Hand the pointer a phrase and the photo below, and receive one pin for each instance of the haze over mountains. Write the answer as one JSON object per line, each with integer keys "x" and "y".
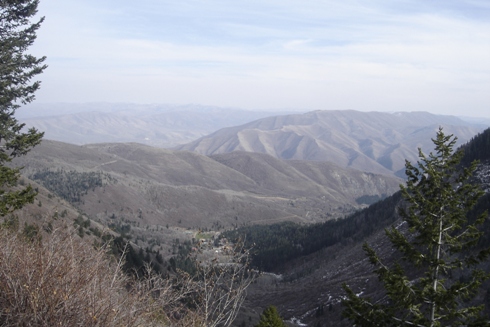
{"x": 155, "y": 125}
{"x": 370, "y": 141}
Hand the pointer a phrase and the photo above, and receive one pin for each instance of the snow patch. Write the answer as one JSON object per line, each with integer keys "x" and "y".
{"x": 297, "y": 322}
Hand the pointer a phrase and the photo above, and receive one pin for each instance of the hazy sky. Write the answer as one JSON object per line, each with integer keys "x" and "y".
{"x": 383, "y": 55}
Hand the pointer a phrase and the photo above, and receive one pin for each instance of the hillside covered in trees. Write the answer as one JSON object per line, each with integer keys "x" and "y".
{"x": 274, "y": 245}
{"x": 478, "y": 148}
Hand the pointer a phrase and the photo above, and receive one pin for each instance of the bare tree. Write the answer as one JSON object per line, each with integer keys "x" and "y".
{"x": 221, "y": 285}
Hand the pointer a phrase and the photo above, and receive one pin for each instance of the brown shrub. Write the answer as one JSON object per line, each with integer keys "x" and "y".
{"x": 62, "y": 281}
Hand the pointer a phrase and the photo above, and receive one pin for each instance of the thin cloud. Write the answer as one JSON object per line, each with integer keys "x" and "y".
{"x": 404, "y": 55}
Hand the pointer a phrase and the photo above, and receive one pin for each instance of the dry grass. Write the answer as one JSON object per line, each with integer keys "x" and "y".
{"x": 62, "y": 281}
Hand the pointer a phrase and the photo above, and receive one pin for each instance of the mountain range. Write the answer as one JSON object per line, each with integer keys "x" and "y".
{"x": 370, "y": 141}
{"x": 155, "y": 186}
{"x": 156, "y": 125}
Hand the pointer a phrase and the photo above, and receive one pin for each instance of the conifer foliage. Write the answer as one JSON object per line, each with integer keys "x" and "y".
{"x": 270, "y": 318}
{"x": 443, "y": 273}
{"x": 17, "y": 69}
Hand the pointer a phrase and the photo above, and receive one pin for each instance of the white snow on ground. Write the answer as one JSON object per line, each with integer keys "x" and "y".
{"x": 297, "y": 322}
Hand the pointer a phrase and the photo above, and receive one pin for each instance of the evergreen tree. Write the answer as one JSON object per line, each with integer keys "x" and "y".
{"x": 437, "y": 246}
{"x": 17, "y": 69}
{"x": 270, "y": 318}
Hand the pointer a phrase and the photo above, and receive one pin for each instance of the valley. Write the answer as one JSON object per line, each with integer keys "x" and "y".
{"x": 354, "y": 190}
{"x": 304, "y": 219}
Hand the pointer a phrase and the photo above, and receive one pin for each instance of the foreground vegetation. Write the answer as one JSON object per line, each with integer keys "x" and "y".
{"x": 61, "y": 281}
{"x": 436, "y": 274}
{"x": 58, "y": 279}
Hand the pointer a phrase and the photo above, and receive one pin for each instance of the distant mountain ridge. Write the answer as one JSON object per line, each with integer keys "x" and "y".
{"x": 370, "y": 141}
{"x": 152, "y": 124}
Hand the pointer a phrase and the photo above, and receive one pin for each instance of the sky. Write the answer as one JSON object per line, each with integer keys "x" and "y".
{"x": 377, "y": 55}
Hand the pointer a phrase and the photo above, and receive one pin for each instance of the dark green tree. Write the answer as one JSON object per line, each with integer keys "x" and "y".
{"x": 17, "y": 69}
{"x": 270, "y": 318}
{"x": 444, "y": 273}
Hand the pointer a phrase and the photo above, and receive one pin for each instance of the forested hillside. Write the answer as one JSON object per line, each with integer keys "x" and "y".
{"x": 477, "y": 149}
{"x": 316, "y": 260}
{"x": 276, "y": 244}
